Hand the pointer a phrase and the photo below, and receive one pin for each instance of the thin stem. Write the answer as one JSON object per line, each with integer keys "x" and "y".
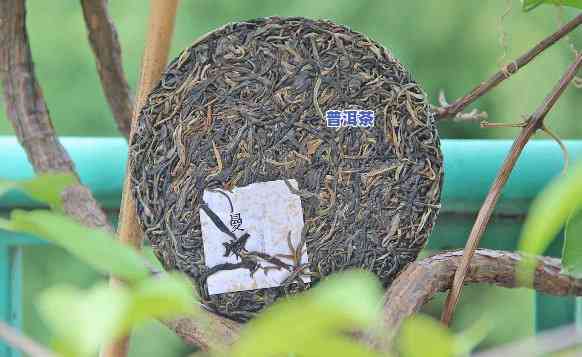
{"x": 15, "y": 339}
{"x": 458, "y": 105}
{"x": 160, "y": 30}
{"x": 107, "y": 51}
{"x": 534, "y": 123}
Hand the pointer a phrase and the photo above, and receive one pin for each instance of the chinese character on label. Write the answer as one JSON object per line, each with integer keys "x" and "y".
{"x": 366, "y": 118}
{"x": 236, "y": 221}
{"x": 334, "y": 118}
{"x": 266, "y": 251}
{"x": 350, "y": 118}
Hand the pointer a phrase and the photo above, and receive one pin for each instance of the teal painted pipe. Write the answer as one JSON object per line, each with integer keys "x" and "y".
{"x": 470, "y": 167}
{"x": 10, "y": 292}
{"x": 99, "y": 161}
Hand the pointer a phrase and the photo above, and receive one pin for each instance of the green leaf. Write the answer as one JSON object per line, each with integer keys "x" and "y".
{"x": 96, "y": 247}
{"x": 528, "y": 5}
{"x": 423, "y": 336}
{"x": 550, "y": 210}
{"x": 5, "y": 224}
{"x": 7, "y": 185}
{"x": 166, "y": 297}
{"x": 572, "y": 253}
{"x": 82, "y": 321}
{"x": 467, "y": 340}
{"x": 313, "y": 323}
{"x": 45, "y": 188}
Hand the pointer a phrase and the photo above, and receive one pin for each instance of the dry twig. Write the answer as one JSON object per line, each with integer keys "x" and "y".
{"x": 105, "y": 45}
{"x": 451, "y": 110}
{"x": 532, "y": 124}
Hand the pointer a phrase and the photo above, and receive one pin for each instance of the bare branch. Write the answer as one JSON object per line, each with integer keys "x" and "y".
{"x": 107, "y": 51}
{"x": 15, "y": 339}
{"x": 458, "y": 105}
{"x": 28, "y": 112}
{"x": 535, "y": 122}
{"x": 421, "y": 280}
{"x": 474, "y": 115}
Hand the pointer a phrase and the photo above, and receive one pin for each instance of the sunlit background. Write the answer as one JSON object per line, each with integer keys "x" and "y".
{"x": 448, "y": 45}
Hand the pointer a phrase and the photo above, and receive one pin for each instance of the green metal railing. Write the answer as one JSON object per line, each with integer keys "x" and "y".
{"x": 470, "y": 167}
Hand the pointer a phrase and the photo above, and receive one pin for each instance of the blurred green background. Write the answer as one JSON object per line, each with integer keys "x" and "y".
{"x": 448, "y": 45}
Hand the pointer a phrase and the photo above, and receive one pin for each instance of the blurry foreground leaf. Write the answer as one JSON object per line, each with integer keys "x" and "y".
{"x": 6, "y": 185}
{"x": 548, "y": 214}
{"x": 81, "y": 321}
{"x": 148, "y": 253}
{"x": 97, "y": 248}
{"x": 166, "y": 297}
{"x": 572, "y": 253}
{"x": 528, "y": 5}
{"x": 45, "y": 188}
{"x": 316, "y": 323}
{"x": 471, "y": 337}
{"x": 423, "y": 336}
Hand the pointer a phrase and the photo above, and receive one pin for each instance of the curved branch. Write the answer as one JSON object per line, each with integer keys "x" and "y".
{"x": 209, "y": 332}
{"x": 415, "y": 286}
{"x": 29, "y": 115}
{"x": 107, "y": 51}
{"x": 421, "y": 280}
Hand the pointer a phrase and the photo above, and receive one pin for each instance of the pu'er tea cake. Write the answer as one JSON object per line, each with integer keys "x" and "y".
{"x": 277, "y": 151}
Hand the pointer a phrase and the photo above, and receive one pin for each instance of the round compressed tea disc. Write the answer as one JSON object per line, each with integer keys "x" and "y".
{"x": 277, "y": 151}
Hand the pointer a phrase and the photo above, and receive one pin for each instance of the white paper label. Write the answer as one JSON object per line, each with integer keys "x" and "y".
{"x": 272, "y": 217}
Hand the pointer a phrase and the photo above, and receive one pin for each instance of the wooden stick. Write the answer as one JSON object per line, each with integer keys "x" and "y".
{"x": 458, "y": 105}
{"x": 160, "y": 29}
{"x": 15, "y": 339}
{"x": 29, "y": 115}
{"x": 154, "y": 60}
{"x": 421, "y": 280}
{"x": 107, "y": 52}
{"x": 534, "y": 123}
